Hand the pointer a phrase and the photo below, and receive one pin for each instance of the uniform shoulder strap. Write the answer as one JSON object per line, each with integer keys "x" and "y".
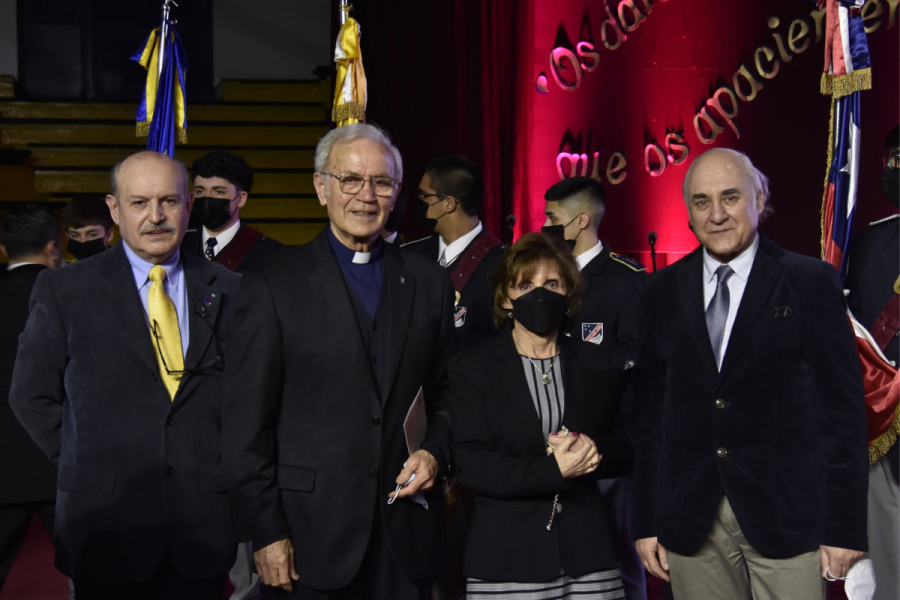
{"x": 232, "y": 255}
{"x": 471, "y": 258}
{"x": 628, "y": 262}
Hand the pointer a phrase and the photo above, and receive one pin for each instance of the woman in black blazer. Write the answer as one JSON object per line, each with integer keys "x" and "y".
{"x": 536, "y": 421}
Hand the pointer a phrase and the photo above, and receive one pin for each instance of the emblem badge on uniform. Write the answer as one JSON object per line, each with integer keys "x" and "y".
{"x": 459, "y": 316}
{"x": 592, "y": 332}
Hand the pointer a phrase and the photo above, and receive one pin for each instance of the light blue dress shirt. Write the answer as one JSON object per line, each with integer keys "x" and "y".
{"x": 175, "y": 284}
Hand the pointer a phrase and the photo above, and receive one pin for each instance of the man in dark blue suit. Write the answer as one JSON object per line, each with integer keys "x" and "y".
{"x": 749, "y": 421}
{"x": 119, "y": 381}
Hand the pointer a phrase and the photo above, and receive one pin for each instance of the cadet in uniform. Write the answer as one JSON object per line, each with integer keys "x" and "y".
{"x": 222, "y": 183}
{"x": 873, "y": 279}
{"x": 609, "y": 306}
{"x": 449, "y": 200}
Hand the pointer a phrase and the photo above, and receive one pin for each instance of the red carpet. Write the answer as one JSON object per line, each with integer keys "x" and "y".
{"x": 33, "y": 576}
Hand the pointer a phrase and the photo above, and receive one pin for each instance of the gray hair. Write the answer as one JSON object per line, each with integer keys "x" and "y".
{"x": 758, "y": 180}
{"x": 144, "y": 154}
{"x": 348, "y": 133}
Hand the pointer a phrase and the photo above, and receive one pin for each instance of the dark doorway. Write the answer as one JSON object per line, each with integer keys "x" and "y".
{"x": 81, "y": 49}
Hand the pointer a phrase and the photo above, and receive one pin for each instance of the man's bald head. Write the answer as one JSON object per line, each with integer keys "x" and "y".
{"x": 147, "y": 155}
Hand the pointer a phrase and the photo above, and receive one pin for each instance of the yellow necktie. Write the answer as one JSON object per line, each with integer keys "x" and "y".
{"x": 166, "y": 334}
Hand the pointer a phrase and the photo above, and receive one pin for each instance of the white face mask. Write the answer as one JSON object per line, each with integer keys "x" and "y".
{"x": 859, "y": 584}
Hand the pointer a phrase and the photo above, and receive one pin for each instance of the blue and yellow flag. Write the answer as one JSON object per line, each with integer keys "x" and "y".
{"x": 161, "y": 115}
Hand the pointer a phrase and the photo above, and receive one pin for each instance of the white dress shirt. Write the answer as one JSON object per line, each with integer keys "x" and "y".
{"x": 12, "y": 266}
{"x": 222, "y": 240}
{"x": 736, "y": 285}
{"x": 451, "y": 252}
{"x": 585, "y": 257}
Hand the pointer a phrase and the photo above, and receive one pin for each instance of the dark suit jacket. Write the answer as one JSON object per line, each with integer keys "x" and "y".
{"x": 311, "y": 445}
{"x": 261, "y": 251}
{"x": 501, "y": 453}
{"x": 477, "y": 297}
{"x": 786, "y": 409}
{"x": 26, "y": 473}
{"x": 138, "y": 473}
{"x": 873, "y": 270}
{"x": 612, "y": 294}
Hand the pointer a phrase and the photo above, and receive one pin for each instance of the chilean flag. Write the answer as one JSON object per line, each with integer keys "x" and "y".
{"x": 847, "y": 71}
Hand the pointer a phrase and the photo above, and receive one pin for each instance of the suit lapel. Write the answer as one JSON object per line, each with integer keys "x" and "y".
{"x": 594, "y": 267}
{"x": 204, "y": 298}
{"x": 327, "y": 282}
{"x": 118, "y": 291}
{"x": 399, "y": 292}
{"x": 573, "y": 376}
{"x": 690, "y": 286}
{"x": 763, "y": 276}
{"x": 513, "y": 378}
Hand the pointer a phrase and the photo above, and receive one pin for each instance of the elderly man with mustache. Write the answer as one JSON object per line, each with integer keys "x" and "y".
{"x": 119, "y": 381}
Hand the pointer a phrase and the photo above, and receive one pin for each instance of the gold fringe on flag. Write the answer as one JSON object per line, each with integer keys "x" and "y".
{"x": 884, "y": 442}
{"x": 845, "y": 85}
{"x": 350, "y": 88}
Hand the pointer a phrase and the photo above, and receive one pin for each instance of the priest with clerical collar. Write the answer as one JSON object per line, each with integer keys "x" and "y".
{"x": 336, "y": 338}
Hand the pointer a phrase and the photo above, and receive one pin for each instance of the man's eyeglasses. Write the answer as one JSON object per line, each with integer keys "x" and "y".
{"x": 422, "y": 195}
{"x": 892, "y": 160}
{"x": 199, "y": 369}
{"x": 351, "y": 183}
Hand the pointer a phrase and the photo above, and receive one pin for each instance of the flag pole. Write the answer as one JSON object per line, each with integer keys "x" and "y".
{"x": 164, "y": 32}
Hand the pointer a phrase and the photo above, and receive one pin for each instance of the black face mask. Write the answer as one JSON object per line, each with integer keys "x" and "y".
{"x": 422, "y": 215}
{"x": 540, "y": 310}
{"x": 890, "y": 184}
{"x": 213, "y": 212}
{"x": 83, "y": 250}
{"x": 559, "y": 231}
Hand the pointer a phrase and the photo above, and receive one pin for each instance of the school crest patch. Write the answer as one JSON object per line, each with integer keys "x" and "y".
{"x": 592, "y": 332}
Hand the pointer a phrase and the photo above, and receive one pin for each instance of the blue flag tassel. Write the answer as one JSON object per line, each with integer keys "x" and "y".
{"x": 161, "y": 115}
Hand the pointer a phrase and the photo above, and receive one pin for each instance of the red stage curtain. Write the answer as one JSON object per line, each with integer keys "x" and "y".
{"x": 448, "y": 78}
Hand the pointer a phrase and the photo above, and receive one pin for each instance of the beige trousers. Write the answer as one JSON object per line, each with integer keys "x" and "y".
{"x": 726, "y": 567}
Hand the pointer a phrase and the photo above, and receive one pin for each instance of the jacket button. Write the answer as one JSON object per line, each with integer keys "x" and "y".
{"x": 559, "y": 508}
{"x": 153, "y": 375}
{"x": 170, "y": 471}
{"x": 170, "y": 422}
{"x": 376, "y": 420}
{"x": 375, "y": 359}
{"x": 722, "y": 452}
{"x": 373, "y": 473}
{"x": 720, "y": 403}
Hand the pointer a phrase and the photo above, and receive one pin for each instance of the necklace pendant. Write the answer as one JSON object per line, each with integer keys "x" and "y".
{"x": 546, "y": 377}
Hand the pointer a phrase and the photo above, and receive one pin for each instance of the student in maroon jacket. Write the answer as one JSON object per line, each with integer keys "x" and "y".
{"x": 222, "y": 184}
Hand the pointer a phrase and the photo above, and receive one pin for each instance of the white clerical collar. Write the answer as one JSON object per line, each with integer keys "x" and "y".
{"x": 741, "y": 264}
{"x": 224, "y": 238}
{"x": 361, "y": 258}
{"x": 585, "y": 257}
{"x": 451, "y": 251}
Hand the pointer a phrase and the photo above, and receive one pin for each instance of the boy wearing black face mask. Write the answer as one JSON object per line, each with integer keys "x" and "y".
{"x": 89, "y": 226}
{"x": 222, "y": 184}
{"x": 448, "y": 203}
